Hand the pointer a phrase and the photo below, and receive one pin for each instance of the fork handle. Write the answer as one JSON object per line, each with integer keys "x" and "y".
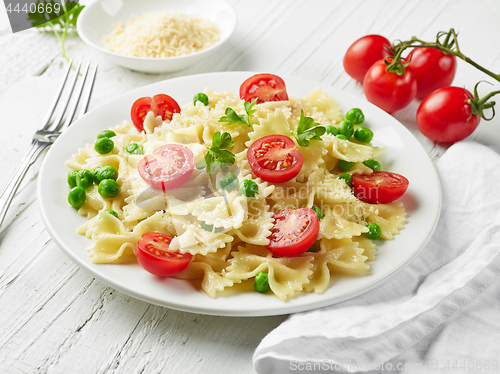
{"x": 10, "y": 191}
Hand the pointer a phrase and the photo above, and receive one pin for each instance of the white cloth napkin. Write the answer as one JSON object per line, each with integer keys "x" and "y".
{"x": 442, "y": 310}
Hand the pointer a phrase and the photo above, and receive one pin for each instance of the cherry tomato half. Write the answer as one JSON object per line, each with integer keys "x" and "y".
{"x": 379, "y": 187}
{"x": 388, "y": 90}
{"x": 263, "y": 87}
{"x": 161, "y": 105}
{"x": 433, "y": 69}
{"x": 274, "y": 158}
{"x": 153, "y": 254}
{"x": 294, "y": 232}
{"x": 168, "y": 167}
{"x": 363, "y": 53}
{"x": 445, "y": 115}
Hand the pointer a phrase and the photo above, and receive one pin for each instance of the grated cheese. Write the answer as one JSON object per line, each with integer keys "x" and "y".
{"x": 162, "y": 34}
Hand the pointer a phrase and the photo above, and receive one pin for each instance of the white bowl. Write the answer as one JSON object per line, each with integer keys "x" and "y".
{"x": 97, "y": 19}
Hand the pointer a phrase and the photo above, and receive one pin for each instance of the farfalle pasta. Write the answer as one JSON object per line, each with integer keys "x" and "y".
{"x": 227, "y": 232}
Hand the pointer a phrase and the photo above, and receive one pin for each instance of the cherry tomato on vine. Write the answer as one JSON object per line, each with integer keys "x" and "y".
{"x": 379, "y": 187}
{"x": 161, "y": 105}
{"x": 387, "y": 90}
{"x": 294, "y": 231}
{"x": 154, "y": 255}
{"x": 274, "y": 158}
{"x": 433, "y": 69}
{"x": 445, "y": 115}
{"x": 363, "y": 53}
{"x": 168, "y": 167}
{"x": 263, "y": 87}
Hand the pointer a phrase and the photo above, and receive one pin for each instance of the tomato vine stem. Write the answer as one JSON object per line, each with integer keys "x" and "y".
{"x": 449, "y": 46}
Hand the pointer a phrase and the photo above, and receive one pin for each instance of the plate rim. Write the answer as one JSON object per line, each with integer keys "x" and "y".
{"x": 285, "y": 308}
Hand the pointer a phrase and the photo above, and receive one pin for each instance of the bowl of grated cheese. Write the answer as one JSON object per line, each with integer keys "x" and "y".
{"x": 157, "y": 36}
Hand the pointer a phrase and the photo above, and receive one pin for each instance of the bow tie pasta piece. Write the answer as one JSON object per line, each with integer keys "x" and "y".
{"x": 286, "y": 275}
{"x": 334, "y": 226}
{"x": 274, "y": 123}
{"x": 390, "y": 217}
{"x": 333, "y": 254}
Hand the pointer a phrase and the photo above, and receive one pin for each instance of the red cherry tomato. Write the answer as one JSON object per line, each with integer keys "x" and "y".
{"x": 363, "y": 53}
{"x": 263, "y": 87}
{"x": 389, "y": 91}
{"x": 168, "y": 167}
{"x": 379, "y": 187}
{"x": 294, "y": 232}
{"x": 274, "y": 158}
{"x": 161, "y": 105}
{"x": 153, "y": 254}
{"x": 433, "y": 69}
{"x": 445, "y": 115}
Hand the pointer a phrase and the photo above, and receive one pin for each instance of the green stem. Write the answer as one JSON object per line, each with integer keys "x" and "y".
{"x": 399, "y": 48}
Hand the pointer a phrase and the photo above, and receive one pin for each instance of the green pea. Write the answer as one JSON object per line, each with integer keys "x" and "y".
{"x": 318, "y": 212}
{"x": 346, "y": 128}
{"x": 355, "y": 115}
{"x": 347, "y": 177}
{"x": 372, "y": 164}
{"x": 108, "y": 188}
{"x": 332, "y": 130}
{"x": 101, "y": 173}
{"x": 72, "y": 178}
{"x": 106, "y": 134}
{"x": 374, "y": 231}
{"x": 340, "y": 136}
{"x": 363, "y": 134}
{"x": 261, "y": 282}
{"x": 134, "y": 149}
{"x": 200, "y": 97}
{"x": 104, "y": 146}
{"x": 249, "y": 188}
{"x": 313, "y": 248}
{"x": 229, "y": 182}
{"x": 345, "y": 165}
{"x": 77, "y": 197}
{"x": 84, "y": 179}
{"x": 112, "y": 212}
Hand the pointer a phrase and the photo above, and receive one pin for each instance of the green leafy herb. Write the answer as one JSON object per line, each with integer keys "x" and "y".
{"x": 308, "y": 129}
{"x": 218, "y": 155}
{"x": 232, "y": 117}
{"x": 59, "y": 23}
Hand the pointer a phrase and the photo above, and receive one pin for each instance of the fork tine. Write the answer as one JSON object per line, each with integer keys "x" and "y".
{"x": 45, "y": 124}
{"x": 86, "y": 99}
{"x": 64, "y": 104}
{"x": 72, "y": 109}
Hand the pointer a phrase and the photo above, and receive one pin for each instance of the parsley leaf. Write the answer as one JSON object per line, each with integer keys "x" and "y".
{"x": 58, "y": 23}
{"x": 218, "y": 156}
{"x": 308, "y": 129}
{"x": 232, "y": 117}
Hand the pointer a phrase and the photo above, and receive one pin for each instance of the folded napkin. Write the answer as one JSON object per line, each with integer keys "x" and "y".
{"x": 441, "y": 310}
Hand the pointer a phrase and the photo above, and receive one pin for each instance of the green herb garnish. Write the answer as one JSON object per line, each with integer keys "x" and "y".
{"x": 218, "y": 155}
{"x": 232, "y": 117}
{"x": 308, "y": 129}
{"x": 64, "y": 20}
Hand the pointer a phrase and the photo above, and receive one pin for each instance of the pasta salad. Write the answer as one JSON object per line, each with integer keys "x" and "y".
{"x": 257, "y": 187}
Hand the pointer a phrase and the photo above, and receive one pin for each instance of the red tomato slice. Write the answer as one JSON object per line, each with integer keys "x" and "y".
{"x": 263, "y": 87}
{"x": 274, "y": 158}
{"x": 294, "y": 232}
{"x": 168, "y": 167}
{"x": 153, "y": 254}
{"x": 379, "y": 187}
{"x": 161, "y": 105}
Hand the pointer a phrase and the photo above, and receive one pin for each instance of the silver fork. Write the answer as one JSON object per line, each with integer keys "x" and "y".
{"x": 49, "y": 131}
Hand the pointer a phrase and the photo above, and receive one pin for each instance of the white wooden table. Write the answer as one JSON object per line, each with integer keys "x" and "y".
{"x": 55, "y": 317}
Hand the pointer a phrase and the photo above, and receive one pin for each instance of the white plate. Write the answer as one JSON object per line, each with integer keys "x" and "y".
{"x": 97, "y": 19}
{"x": 404, "y": 155}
